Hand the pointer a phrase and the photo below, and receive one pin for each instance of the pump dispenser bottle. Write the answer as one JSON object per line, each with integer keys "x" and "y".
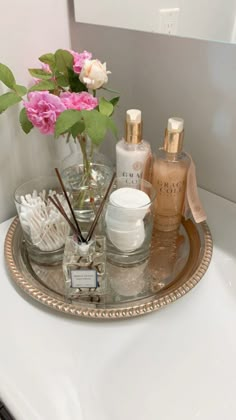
{"x": 169, "y": 177}
{"x": 132, "y": 152}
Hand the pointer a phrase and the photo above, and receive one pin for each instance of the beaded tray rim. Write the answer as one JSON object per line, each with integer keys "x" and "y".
{"x": 134, "y": 309}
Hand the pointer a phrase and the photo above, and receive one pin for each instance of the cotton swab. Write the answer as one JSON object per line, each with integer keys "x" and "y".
{"x": 43, "y": 223}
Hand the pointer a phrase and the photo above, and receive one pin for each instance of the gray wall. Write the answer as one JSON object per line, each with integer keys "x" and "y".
{"x": 170, "y": 76}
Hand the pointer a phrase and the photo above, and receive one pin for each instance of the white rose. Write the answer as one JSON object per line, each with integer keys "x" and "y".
{"x": 94, "y": 74}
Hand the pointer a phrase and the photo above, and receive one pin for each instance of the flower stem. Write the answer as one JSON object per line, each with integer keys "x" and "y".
{"x": 85, "y": 193}
{"x": 87, "y": 173}
{"x": 82, "y": 142}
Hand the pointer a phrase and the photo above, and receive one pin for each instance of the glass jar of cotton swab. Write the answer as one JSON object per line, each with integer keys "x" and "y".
{"x": 44, "y": 228}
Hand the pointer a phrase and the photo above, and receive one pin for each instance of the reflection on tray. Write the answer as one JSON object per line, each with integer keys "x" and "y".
{"x": 168, "y": 256}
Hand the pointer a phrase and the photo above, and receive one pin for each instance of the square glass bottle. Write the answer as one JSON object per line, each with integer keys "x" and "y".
{"x": 84, "y": 267}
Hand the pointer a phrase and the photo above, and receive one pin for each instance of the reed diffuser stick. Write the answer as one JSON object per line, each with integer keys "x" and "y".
{"x": 63, "y": 213}
{"x": 70, "y": 206}
{"x": 92, "y": 228}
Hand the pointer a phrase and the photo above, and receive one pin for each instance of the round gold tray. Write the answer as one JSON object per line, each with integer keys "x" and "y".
{"x": 178, "y": 261}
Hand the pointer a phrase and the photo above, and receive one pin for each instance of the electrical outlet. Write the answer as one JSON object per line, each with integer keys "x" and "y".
{"x": 169, "y": 21}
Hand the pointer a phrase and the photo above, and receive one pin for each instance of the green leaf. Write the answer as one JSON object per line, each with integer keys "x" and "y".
{"x": 95, "y": 125}
{"x": 75, "y": 84}
{"x": 44, "y": 85}
{"x": 62, "y": 80}
{"x": 40, "y": 74}
{"x": 48, "y": 59}
{"x": 111, "y": 126}
{"x": 66, "y": 120}
{"x": 76, "y": 129}
{"x": 8, "y": 99}
{"x": 6, "y": 76}
{"x": 20, "y": 90}
{"x": 63, "y": 59}
{"x": 105, "y": 107}
{"x": 26, "y": 125}
{"x": 115, "y": 100}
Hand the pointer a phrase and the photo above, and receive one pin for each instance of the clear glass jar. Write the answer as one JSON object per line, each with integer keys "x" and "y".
{"x": 44, "y": 228}
{"x": 128, "y": 220}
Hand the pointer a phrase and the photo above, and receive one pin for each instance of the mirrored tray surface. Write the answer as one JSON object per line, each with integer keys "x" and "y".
{"x": 177, "y": 262}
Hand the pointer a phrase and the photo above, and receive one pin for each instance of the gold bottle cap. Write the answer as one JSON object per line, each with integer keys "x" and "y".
{"x": 174, "y": 135}
{"x": 133, "y": 126}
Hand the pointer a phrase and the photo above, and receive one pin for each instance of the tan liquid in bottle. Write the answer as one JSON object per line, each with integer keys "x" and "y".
{"x": 169, "y": 178}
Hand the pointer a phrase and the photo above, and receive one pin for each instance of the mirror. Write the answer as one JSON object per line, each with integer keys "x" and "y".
{"x": 213, "y": 20}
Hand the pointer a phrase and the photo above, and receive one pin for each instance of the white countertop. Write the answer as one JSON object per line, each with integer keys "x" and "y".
{"x": 175, "y": 364}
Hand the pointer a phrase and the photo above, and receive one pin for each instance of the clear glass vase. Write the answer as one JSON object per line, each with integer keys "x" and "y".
{"x": 86, "y": 174}
{"x": 87, "y": 189}
{"x": 75, "y": 155}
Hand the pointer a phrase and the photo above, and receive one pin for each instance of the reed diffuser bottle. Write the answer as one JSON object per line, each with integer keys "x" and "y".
{"x": 169, "y": 178}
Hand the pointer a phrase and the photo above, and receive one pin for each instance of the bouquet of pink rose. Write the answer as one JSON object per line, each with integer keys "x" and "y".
{"x": 63, "y": 99}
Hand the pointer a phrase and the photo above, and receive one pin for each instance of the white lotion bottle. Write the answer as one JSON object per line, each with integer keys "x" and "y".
{"x": 132, "y": 151}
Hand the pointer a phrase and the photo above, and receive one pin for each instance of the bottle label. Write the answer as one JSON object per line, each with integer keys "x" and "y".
{"x": 132, "y": 177}
{"x": 130, "y": 164}
{"x": 165, "y": 187}
{"x": 83, "y": 278}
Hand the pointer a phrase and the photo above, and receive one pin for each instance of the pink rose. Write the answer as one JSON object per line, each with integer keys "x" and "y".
{"x": 79, "y": 101}
{"x": 42, "y": 110}
{"x": 79, "y": 60}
